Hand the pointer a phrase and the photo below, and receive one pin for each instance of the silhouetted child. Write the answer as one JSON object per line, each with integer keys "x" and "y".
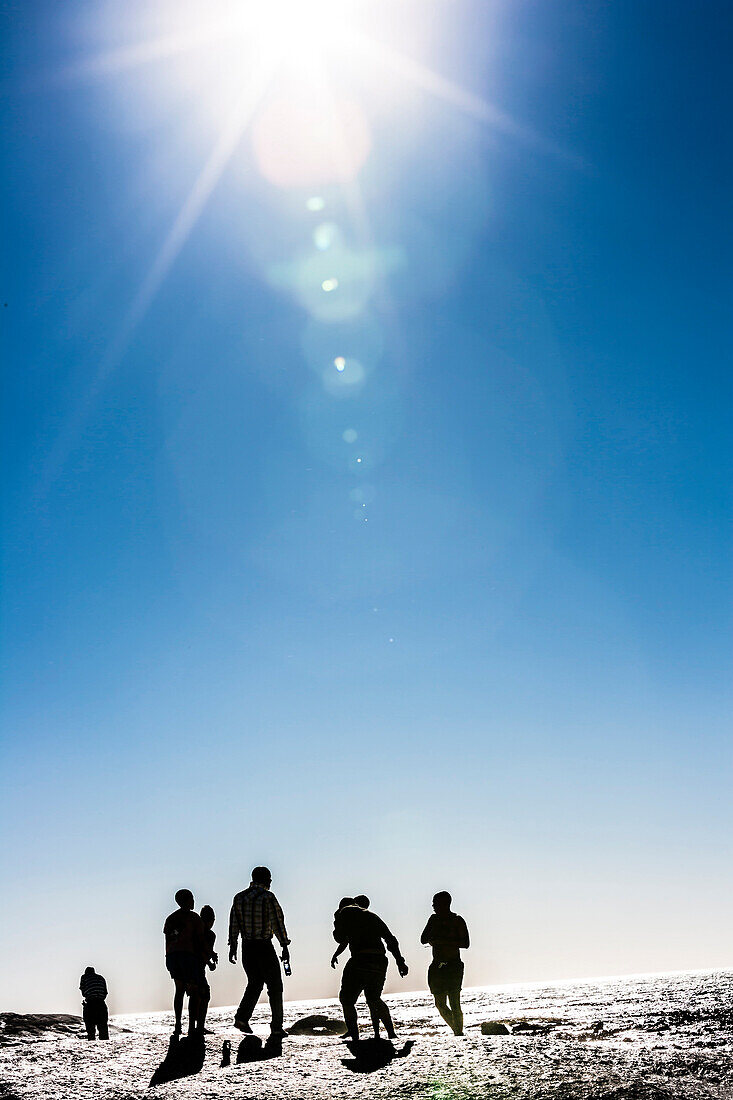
{"x": 342, "y": 946}
{"x": 94, "y": 991}
{"x": 446, "y": 933}
{"x": 210, "y": 959}
{"x": 184, "y": 949}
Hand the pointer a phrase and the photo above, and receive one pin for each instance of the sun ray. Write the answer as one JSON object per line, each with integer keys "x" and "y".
{"x": 199, "y": 194}
{"x": 226, "y": 145}
{"x": 443, "y": 88}
{"x": 142, "y": 53}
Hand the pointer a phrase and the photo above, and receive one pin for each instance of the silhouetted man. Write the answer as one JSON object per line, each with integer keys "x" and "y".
{"x": 94, "y": 1010}
{"x": 185, "y": 946}
{"x": 366, "y": 971}
{"x": 446, "y": 933}
{"x": 256, "y": 916}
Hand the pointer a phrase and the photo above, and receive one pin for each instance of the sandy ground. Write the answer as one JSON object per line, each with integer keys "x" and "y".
{"x": 641, "y": 1039}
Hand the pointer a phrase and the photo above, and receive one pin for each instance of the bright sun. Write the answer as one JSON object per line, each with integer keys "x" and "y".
{"x": 280, "y": 30}
{"x": 301, "y": 26}
{"x": 296, "y": 80}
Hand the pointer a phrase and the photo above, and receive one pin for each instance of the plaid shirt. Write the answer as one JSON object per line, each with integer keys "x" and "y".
{"x": 256, "y": 915}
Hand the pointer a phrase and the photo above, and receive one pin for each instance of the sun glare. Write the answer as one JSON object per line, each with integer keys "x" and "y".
{"x": 291, "y": 89}
{"x": 302, "y": 26}
{"x": 281, "y": 30}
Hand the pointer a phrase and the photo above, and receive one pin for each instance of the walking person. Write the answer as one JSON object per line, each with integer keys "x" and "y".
{"x": 256, "y": 917}
{"x": 447, "y": 934}
{"x": 185, "y": 945}
{"x": 94, "y": 1009}
{"x": 365, "y": 972}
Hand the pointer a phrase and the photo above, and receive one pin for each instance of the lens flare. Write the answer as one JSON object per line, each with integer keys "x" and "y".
{"x": 304, "y": 137}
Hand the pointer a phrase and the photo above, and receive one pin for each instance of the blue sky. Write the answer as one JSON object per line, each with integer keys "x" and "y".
{"x": 456, "y": 615}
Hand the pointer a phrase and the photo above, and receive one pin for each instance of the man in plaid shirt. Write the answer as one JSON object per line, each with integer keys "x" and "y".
{"x": 256, "y": 916}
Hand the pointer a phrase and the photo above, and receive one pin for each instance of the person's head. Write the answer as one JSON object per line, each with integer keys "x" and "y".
{"x": 208, "y": 916}
{"x": 362, "y": 901}
{"x": 184, "y": 899}
{"x": 261, "y": 876}
{"x": 442, "y": 902}
{"x": 89, "y": 970}
{"x": 344, "y": 902}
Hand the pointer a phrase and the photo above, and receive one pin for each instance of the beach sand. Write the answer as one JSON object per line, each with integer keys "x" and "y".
{"x": 639, "y": 1038}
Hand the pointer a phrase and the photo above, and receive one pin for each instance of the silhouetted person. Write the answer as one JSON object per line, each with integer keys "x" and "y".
{"x": 446, "y": 933}
{"x": 210, "y": 959}
{"x": 185, "y": 945}
{"x": 363, "y": 902}
{"x": 256, "y": 916}
{"x": 94, "y": 1010}
{"x": 365, "y": 934}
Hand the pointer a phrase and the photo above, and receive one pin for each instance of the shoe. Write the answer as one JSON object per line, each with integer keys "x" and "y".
{"x": 279, "y": 1035}
{"x": 243, "y": 1025}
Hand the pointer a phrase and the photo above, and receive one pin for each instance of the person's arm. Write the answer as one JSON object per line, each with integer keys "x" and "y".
{"x": 104, "y": 983}
{"x": 167, "y": 929}
{"x": 394, "y": 947}
{"x": 427, "y": 934}
{"x": 464, "y": 940}
{"x": 233, "y": 932}
{"x": 278, "y": 924}
{"x": 334, "y": 958}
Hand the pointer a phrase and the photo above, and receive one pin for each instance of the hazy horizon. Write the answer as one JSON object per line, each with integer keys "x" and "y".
{"x": 367, "y": 482}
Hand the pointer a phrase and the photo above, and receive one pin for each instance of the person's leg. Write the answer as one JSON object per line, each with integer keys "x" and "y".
{"x": 103, "y": 1021}
{"x": 88, "y": 1015}
{"x": 373, "y": 987}
{"x": 373, "y": 1006}
{"x": 255, "y": 983}
{"x": 386, "y": 1019}
{"x": 274, "y": 981}
{"x": 454, "y": 997}
{"x": 204, "y": 998}
{"x": 436, "y": 987}
{"x": 441, "y": 1003}
{"x": 349, "y": 1010}
{"x": 180, "y": 991}
{"x": 350, "y": 990}
{"x": 193, "y": 1008}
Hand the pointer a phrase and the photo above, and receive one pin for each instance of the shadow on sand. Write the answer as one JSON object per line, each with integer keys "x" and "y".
{"x": 185, "y": 1057}
{"x": 374, "y": 1054}
{"x": 251, "y": 1049}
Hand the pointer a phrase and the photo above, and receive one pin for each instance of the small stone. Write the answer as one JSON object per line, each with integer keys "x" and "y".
{"x": 494, "y": 1027}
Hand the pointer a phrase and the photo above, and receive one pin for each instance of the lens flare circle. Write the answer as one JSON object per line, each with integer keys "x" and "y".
{"x": 305, "y": 138}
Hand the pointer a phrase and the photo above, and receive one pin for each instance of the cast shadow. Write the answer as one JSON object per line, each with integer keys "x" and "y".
{"x": 374, "y": 1054}
{"x": 184, "y": 1058}
{"x": 252, "y": 1049}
